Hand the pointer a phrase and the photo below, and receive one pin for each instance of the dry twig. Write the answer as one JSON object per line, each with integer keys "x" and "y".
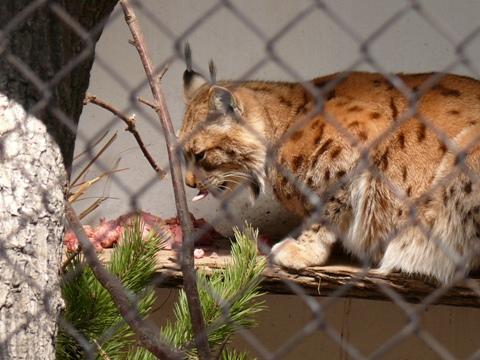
{"x": 92, "y": 207}
{"x": 148, "y": 103}
{"x": 101, "y": 351}
{"x": 68, "y": 260}
{"x": 91, "y": 146}
{"x": 131, "y": 127}
{"x": 162, "y": 72}
{"x": 187, "y": 259}
{"x": 93, "y": 159}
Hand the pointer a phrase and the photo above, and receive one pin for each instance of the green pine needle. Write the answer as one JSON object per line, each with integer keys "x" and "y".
{"x": 89, "y": 307}
{"x": 229, "y": 297}
{"x": 232, "y": 354}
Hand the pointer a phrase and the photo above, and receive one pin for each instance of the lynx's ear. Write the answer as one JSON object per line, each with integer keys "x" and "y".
{"x": 222, "y": 100}
{"x": 192, "y": 80}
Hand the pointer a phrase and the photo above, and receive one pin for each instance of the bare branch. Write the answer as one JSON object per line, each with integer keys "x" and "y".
{"x": 147, "y": 336}
{"x": 148, "y": 103}
{"x": 187, "y": 259}
{"x": 131, "y": 127}
{"x": 162, "y": 72}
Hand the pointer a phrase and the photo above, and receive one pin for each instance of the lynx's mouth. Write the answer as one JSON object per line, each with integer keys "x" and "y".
{"x": 256, "y": 187}
{"x": 202, "y": 194}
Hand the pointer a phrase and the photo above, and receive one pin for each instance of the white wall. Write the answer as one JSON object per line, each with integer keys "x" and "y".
{"x": 314, "y": 46}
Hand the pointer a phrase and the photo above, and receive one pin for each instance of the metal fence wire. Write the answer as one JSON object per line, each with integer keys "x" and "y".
{"x": 319, "y": 202}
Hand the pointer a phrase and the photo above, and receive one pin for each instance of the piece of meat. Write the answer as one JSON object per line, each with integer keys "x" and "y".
{"x": 109, "y": 232}
{"x": 203, "y": 232}
{"x": 71, "y": 242}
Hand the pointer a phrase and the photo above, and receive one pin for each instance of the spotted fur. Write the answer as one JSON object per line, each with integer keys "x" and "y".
{"x": 352, "y": 159}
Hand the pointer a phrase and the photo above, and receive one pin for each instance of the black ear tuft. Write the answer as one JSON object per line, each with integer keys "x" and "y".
{"x": 188, "y": 56}
{"x": 192, "y": 80}
{"x": 188, "y": 74}
{"x": 188, "y": 78}
{"x": 213, "y": 72}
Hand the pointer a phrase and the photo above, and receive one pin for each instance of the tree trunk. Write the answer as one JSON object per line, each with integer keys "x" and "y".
{"x": 39, "y": 111}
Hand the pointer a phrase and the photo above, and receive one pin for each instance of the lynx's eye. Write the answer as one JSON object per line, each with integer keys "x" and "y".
{"x": 200, "y": 156}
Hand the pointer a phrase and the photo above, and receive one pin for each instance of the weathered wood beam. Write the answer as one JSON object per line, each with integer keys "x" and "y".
{"x": 336, "y": 280}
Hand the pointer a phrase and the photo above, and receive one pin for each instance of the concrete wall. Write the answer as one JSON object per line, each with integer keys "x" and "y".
{"x": 313, "y": 46}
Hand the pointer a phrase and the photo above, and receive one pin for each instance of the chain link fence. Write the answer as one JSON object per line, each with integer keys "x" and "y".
{"x": 335, "y": 281}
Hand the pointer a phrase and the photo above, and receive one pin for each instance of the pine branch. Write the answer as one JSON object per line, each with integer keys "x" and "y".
{"x": 229, "y": 298}
{"x": 89, "y": 306}
{"x": 232, "y": 354}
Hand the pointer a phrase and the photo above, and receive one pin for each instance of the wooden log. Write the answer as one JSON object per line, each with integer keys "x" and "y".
{"x": 340, "y": 279}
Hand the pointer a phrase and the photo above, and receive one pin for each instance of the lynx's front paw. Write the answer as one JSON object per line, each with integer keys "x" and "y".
{"x": 289, "y": 254}
{"x": 298, "y": 255}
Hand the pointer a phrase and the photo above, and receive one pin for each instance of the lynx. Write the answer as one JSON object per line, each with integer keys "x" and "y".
{"x": 388, "y": 171}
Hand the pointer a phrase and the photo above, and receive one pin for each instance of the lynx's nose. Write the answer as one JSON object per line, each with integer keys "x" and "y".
{"x": 190, "y": 179}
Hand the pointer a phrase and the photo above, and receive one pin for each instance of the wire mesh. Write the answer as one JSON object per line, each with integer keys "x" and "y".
{"x": 371, "y": 163}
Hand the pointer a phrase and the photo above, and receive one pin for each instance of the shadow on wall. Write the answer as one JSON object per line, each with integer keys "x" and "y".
{"x": 268, "y": 215}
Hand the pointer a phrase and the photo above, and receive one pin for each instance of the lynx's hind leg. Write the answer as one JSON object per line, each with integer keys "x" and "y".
{"x": 413, "y": 254}
{"x": 449, "y": 243}
{"x": 312, "y": 248}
